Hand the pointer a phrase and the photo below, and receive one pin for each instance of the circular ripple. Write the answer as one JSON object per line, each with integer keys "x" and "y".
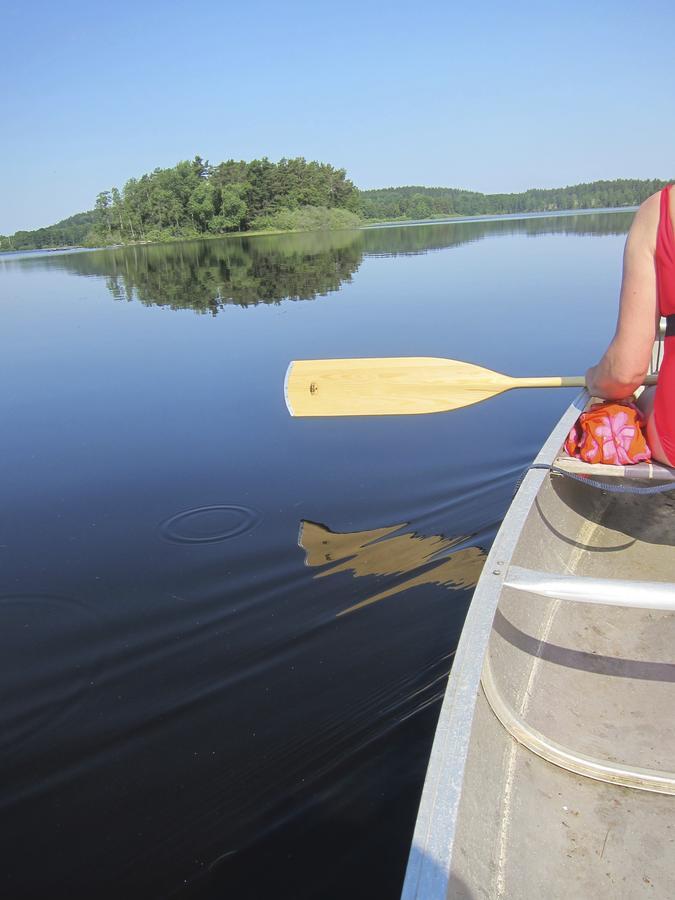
{"x": 209, "y": 524}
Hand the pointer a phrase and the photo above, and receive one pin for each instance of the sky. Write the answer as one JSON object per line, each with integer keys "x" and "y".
{"x": 488, "y": 96}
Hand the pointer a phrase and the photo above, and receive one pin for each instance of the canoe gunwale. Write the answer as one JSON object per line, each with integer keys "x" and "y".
{"x": 428, "y": 870}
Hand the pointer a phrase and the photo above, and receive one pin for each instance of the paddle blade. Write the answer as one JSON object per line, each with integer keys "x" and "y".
{"x": 387, "y": 386}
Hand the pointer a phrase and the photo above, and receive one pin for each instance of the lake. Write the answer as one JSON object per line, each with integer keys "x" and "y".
{"x": 225, "y": 632}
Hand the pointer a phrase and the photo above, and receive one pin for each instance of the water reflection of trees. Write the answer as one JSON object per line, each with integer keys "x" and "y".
{"x": 393, "y": 240}
{"x": 208, "y": 275}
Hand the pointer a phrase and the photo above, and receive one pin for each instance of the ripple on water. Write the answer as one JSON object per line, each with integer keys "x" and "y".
{"x": 210, "y": 524}
{"x": 47, "y": 664}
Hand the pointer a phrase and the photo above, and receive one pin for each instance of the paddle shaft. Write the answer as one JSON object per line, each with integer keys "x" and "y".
{"x": 564, "y": 381}
{"x": 554, "y": 381}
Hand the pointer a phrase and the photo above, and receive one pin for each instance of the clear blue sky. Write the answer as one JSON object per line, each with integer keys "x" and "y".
{"x": 490, "y": 96}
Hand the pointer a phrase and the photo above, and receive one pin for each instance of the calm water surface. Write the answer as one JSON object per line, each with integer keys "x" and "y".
{"x": 225, "y": 633}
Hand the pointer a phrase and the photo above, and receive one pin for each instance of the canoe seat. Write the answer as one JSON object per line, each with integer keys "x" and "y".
{"x": 644, "y": 471}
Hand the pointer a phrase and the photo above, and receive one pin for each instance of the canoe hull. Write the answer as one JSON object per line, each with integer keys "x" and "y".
{"x": 428, "y": 871}
{"x": 553, "y": 767}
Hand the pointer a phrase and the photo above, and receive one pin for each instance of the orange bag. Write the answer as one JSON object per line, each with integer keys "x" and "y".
{"x": 610, "y": 432}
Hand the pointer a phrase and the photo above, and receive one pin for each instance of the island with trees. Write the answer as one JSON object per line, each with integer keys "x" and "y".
{"x": 194, "y": 199}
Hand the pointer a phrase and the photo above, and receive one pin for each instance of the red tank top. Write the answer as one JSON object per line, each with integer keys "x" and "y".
{"x": 665, "y": 257}
{"x": 664, "y": 401}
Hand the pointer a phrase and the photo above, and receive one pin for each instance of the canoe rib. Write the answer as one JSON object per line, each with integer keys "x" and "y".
{"x": 579, "y": 763}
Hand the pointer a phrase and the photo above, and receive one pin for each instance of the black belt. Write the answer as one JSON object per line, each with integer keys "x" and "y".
{"x": 670, "y": 325}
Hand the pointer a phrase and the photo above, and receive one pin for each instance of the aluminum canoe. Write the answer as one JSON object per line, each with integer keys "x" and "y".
{"x": 552, "y": 772}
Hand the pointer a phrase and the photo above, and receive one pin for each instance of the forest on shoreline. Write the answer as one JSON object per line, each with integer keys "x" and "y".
{"x": 195, "y": 199}
{"x": 391, "y": 204}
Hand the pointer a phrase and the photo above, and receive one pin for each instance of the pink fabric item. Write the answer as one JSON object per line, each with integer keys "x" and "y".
{"x": 609, "y": 433}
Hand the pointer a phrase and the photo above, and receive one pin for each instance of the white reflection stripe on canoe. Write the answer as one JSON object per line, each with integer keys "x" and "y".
{"x": 611, "y": 591}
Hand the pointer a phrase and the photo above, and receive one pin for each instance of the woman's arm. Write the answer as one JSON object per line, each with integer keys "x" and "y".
{"x": 623, "y": 367}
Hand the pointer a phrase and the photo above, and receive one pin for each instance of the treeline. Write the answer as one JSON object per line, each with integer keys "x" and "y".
{"x": 71, "y": 232}
{"x": 194, "y": 199}
{"x": 389, "y": 204}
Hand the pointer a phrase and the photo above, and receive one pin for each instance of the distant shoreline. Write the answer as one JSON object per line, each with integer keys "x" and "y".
{"x": 195, "y": 199}
{"x": 391, "y": 223}
{"x": 494, "y": 217}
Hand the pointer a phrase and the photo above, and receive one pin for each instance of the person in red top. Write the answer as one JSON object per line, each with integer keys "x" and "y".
{"x": 647, "y": 293}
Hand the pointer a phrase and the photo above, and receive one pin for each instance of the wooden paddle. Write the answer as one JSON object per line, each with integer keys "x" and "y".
{"x": 398, "y": 386}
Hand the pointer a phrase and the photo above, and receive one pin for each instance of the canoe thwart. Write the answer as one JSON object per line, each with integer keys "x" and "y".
{"x": 644, "y": 471}
{"x": 582, "y": 589}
